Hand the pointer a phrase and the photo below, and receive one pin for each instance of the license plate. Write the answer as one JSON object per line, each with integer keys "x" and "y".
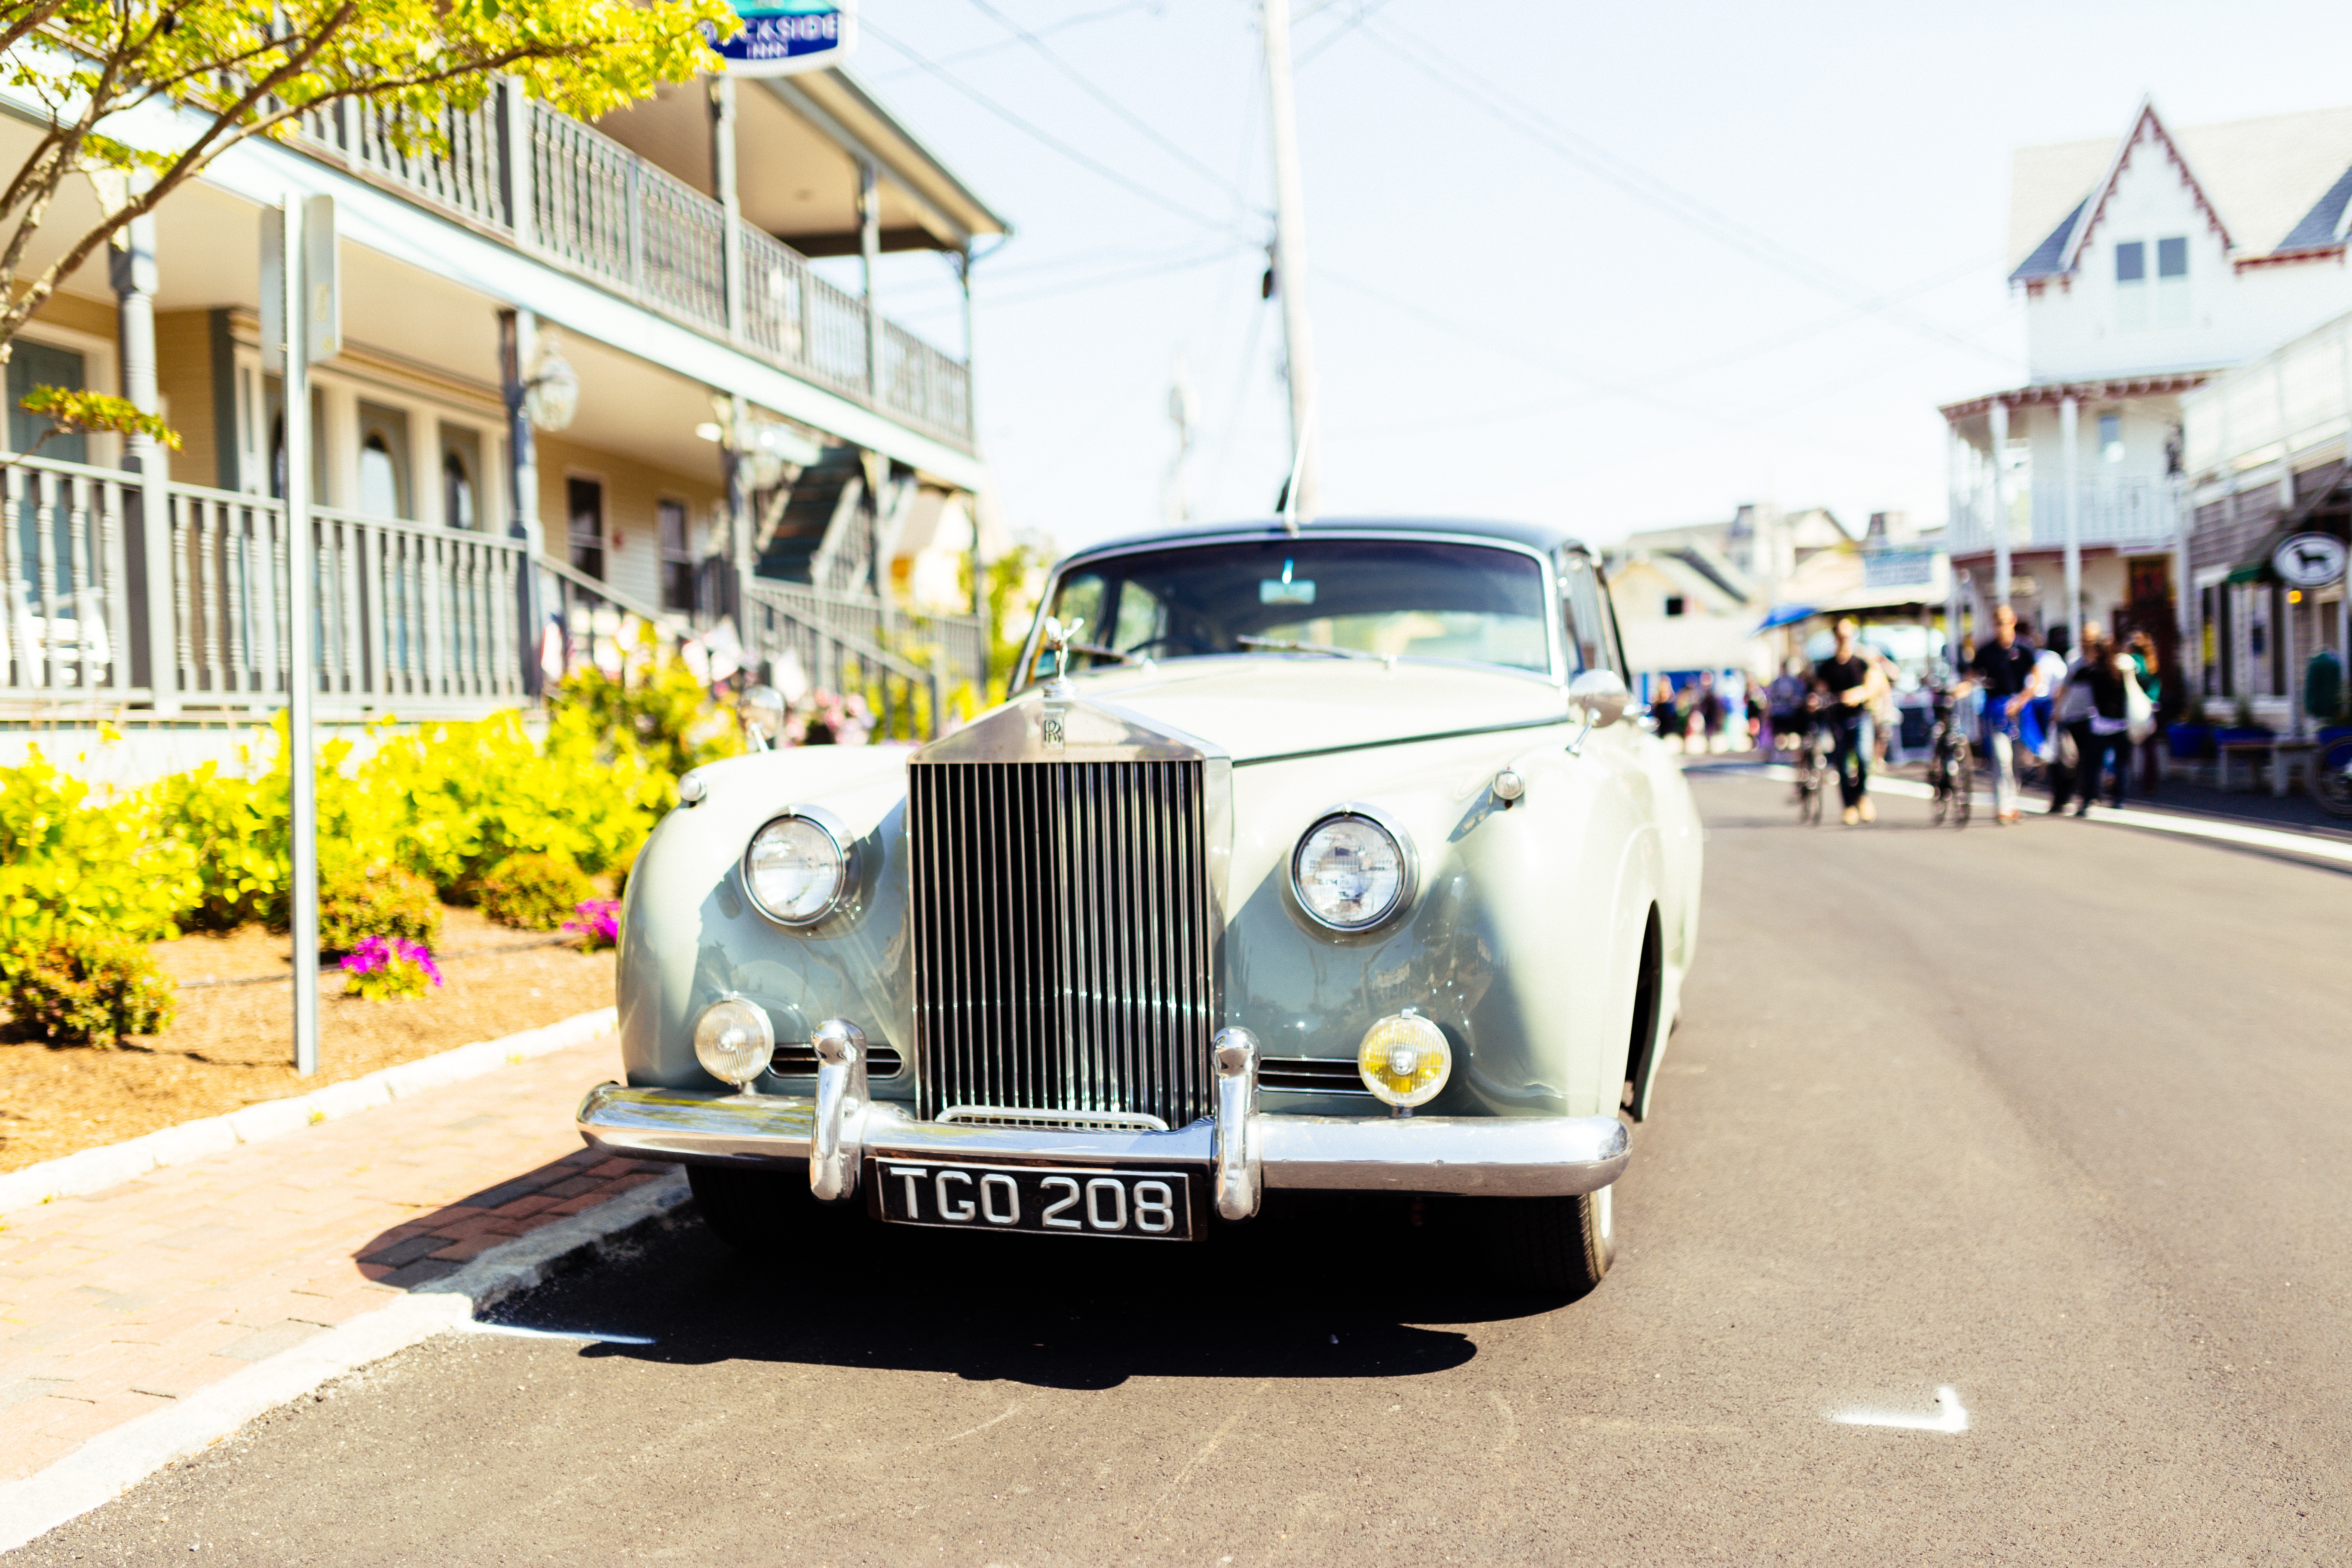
{"x": 1151, "y": 1205}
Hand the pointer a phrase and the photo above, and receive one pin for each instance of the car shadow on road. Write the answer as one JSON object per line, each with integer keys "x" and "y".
{"x": 1316, "y": 1288}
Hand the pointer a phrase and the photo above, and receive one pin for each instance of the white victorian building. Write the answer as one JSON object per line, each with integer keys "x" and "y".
{"x": 2149, "y": 264}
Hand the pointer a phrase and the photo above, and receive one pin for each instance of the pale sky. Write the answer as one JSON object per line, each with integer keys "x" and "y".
{"x": 1615, "y": 266}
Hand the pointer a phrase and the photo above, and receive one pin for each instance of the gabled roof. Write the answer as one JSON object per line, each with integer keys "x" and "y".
{"x": 2269, "y": 187}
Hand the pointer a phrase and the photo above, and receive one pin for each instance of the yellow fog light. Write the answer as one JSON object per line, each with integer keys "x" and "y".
{"x": 1404, "y": 1060}
{"x": 734, "y": 1041}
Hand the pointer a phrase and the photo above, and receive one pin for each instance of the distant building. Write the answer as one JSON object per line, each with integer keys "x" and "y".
{"x": 2148, "y": 264}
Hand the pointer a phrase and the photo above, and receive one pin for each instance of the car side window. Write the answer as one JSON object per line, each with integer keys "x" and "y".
{"x": 1591, "y": 638}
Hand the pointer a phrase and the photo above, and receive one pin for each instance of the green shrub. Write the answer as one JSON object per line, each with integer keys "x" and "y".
{"x": 359, "y": 902}
{"x": 83, "y": 989}
{"x": 70, "y": 864}
{"x": 533, "y": 893}
{"x": 656, "y": 707}
{"x": 389, "y": 969}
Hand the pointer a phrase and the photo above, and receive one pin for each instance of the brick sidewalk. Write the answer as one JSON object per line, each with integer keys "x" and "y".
{"x": 113, "y": 1304}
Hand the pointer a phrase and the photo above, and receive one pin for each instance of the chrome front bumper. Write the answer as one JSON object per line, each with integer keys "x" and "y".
{"x": 833, "y": 1133}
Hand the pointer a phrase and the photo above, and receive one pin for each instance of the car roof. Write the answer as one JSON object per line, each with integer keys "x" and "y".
{"x": 1534, "y": 535}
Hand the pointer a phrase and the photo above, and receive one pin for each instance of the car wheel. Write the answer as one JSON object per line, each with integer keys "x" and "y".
{"x": 1551, "y": 1246}
{"x": 756, "y": 1211}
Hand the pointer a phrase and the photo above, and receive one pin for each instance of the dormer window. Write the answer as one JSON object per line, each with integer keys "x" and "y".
{"x": 2142, "y": 302}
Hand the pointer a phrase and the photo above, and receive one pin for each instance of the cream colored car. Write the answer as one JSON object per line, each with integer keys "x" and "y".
{"x": 1317, "y": 861}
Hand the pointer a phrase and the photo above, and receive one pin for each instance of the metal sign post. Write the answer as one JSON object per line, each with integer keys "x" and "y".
{"x": 301, "y": 322}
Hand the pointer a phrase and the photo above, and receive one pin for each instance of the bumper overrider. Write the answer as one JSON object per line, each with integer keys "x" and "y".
{"x": 1241, "y": 1150}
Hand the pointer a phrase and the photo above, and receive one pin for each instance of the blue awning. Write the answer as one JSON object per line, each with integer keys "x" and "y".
{"x": 1786, "y": 616}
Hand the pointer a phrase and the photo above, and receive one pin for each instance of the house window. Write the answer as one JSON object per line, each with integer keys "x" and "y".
{"x": 2111, "y": 437}
{"x": 677, "y": 557}
{"x": 1674, "y": 604}
{"x": 2131, "y": 286}
{"x": 461, "y": 467}
{"x": 32, "y": 365}
{"x": 584, "y": 500}
{"x": 384, "y": 462}
{"x": 2172, "y": 282}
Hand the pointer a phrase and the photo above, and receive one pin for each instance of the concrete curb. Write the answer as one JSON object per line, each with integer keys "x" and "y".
{"x": 112, "y": 1164}
{"x": 107, "y": 1466}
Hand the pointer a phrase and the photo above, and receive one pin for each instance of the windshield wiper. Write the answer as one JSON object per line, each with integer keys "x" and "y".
{"x": 1279, "y": 645}
{"x": 1100, "y": 652}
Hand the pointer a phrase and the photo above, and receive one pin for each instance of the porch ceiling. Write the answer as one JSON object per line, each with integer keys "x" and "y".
{"x": 793, "y": 179}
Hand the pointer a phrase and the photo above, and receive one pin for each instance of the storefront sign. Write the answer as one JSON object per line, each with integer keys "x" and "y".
{"x": 1901, "y": 568}
{"x": 2308, "y": 560}
{"x": 783, "y": 37}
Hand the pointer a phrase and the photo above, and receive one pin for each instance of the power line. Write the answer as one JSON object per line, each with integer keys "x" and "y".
{"x": 1059, "y": 291}
{"x": 1085, "y": 161}
{"x": 1647, "y": 188}
{"x": 1364, "y": 10}
{"x": 1064, "y": 25}
{"x": 1086, "y": 85}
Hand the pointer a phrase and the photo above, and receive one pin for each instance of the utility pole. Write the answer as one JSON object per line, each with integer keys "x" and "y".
{"x": 1290, "y": 257}
{"x": 301, "y": 322}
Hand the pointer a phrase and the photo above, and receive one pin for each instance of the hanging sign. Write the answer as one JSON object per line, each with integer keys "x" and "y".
{"x": 2308, "y": 560}
{"x": 783, "y": 37}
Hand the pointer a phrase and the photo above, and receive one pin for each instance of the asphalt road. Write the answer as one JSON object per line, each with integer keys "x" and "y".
{"x": 2055, "y": 1117}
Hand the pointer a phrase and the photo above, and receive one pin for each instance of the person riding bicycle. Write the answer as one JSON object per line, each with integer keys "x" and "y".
{"x": 1850, "y": 682}
{"x": 2004, "y": 669}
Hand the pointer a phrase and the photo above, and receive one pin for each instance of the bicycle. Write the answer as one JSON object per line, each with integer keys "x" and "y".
{"x": 1813, "y": 769}
{"x": 2330, "y": 776}
{"x": 1951, "y": 767}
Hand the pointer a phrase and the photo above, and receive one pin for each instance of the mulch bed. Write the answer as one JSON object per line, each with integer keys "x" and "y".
{"x": 233, "y": 1044}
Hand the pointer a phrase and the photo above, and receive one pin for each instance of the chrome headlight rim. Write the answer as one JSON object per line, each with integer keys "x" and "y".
{"x": 844, "y": 848}
{"x": 1408, "y": 868}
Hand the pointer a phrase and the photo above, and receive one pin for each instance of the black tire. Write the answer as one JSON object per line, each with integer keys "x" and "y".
{"x": 759, "y": 1211}
{"x": 1939, "y": 781}
{"x": 2330, "y": 777}
{"x": 1964, "y": 784}
{"x": 1555, "y": 1248}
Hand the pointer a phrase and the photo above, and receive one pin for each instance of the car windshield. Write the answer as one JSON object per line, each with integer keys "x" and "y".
{"x": 1384, "y": 598}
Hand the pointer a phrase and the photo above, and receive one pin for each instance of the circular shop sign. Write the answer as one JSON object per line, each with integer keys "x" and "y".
{"x": 2308, "y": 560}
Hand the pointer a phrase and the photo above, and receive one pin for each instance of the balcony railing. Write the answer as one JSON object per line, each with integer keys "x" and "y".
{"x": 2143, "y": 513}
{"x": 574, "y": 197}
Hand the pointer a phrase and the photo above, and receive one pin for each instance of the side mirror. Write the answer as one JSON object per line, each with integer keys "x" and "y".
{"x": 1602, "y": 694}
{"x": 761, "y": 711}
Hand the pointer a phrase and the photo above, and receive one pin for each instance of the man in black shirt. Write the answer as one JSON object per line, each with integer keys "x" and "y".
{"x": 2004, "y": 670}
{"x": 1849, "y": 681}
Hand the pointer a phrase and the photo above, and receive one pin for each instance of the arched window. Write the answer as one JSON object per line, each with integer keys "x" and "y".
{"x": 379, "y": 478}
{"x": 456, "y": 493}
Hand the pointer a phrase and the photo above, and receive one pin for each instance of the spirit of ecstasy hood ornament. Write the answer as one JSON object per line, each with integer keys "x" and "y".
{"x": 1059, "y": 637}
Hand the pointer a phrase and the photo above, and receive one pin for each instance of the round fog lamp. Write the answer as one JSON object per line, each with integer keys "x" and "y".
{"x": 734, "y": 1041}
{"x": 1404, "y": 1060}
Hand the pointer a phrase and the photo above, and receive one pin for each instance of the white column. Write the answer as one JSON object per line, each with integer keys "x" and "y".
{"x": 722, "y": 183}
{"x": 1999, "y": 416}
{"x": 869, "y": 252}
{"x": 302, "y": 806}
{"x": 2068, "y": 417}
{"x": 132, "y": 263}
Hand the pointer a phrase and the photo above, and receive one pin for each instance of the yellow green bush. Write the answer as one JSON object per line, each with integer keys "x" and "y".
{"x": 382, "y": 900}
{"x": 533, "y": 893}
{"x": 71, "y": 863}
{"x": 83, "y": 988}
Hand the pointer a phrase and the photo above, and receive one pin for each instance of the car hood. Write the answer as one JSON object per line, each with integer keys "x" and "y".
{"x": 1263, "y": 706}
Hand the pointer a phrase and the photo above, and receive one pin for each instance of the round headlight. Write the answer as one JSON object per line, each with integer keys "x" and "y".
{"x": 795, "y": 870}
{"x": 734, "y": 1041}
{"x": 1404, "y": 1060}
{"x": 1350, "y": 872}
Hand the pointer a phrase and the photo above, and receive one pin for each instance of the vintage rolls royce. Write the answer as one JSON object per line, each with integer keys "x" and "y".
{"x": 1317, "y": 860}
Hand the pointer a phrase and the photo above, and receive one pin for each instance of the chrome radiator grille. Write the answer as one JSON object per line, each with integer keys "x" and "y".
{"x": 1062, "y": 937}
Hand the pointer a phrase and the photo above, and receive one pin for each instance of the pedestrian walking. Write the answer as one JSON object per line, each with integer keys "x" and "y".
{"x": 1666, "y": 713}
{"x": 1852, "y": 682}
{"x": 2161, "y": 698}
{"x": 2004, "y": 670}
{"x": 1710, "y": 711}
{"x": 2095, "y": 687}
{"x": 2071, "y": 711}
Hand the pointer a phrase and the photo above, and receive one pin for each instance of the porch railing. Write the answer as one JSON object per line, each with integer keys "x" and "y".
{"x": 421, "y": 617}
{"x": 954, "y": 645}
{"x": 65, "y": 583}
{"x": 903, "y": 696}
{"x": 2125, "y": 512}
{"x": 575, "y": 197}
